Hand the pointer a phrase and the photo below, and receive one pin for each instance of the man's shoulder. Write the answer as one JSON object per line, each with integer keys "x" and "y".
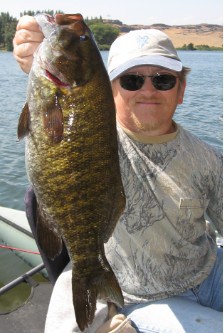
{"x": 188, "y": 138}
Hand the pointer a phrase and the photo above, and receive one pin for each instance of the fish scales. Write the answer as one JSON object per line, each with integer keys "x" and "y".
{"x": 72, "y": 157}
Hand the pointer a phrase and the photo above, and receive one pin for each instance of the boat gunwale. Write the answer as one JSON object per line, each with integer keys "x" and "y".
{"x": 16, "y": 226}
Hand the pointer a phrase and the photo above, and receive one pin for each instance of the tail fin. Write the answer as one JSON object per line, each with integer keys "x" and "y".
{"x": 88, "y": 289}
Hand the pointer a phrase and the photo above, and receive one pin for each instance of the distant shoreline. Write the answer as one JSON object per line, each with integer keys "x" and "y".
{"x": 199, "y": 34}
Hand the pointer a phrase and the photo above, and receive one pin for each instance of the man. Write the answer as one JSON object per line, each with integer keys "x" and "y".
{"x": 160, "y": 247}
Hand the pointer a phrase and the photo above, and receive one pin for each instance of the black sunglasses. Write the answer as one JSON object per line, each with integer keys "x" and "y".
{"x": 134, "y": 82}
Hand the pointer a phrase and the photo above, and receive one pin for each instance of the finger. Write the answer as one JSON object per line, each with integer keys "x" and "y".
{"x": 24, "y": 55}
{"x": 25, "y": 49}
{"x": 124, "y": 327}
{"x": 27, "y": 22}
{"x": 112, "y": 310}
{"x": 24, "y": 36}
{"x": 111, "y": 324}
{"x": 25, "y": 63}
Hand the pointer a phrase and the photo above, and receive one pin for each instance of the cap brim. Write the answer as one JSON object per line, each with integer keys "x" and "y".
{"x": 160, "y": 61}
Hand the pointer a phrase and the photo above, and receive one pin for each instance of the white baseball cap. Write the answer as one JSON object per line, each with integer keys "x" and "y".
{"x": 142, "y": 47}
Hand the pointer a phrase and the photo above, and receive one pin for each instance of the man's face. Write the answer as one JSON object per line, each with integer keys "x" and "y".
{"x": 147, "y": 110}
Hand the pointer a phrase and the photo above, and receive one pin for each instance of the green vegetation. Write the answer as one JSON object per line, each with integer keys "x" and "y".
{"x": 208, "y": 48}
{"x": 191, "y": 47}
{"x": 7, "y": 31}
{"x": 104, "y": 33}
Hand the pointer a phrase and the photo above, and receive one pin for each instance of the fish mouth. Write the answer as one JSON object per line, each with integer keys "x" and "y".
{"x": 56, "y": 80}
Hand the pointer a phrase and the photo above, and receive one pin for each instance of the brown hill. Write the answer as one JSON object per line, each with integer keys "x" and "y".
{"x": 199, "y": 34}
{"x": 211, "y": 35}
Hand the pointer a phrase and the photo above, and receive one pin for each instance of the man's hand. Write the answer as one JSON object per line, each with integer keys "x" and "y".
{"x": 27, "y": 38}
{"x": 116, "y": 323}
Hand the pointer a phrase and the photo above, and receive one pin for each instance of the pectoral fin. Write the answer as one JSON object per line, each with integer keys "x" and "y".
{"x": 24, "y": 123}
{"x": 53, "y": 121}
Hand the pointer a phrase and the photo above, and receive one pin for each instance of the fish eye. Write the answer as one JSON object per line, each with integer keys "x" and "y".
{"x": 83, "y": 38}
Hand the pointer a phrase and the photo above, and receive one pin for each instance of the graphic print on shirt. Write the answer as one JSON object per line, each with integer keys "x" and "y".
{"x": 143, "y": 208}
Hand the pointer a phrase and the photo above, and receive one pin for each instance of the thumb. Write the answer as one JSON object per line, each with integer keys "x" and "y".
{"x": 116, "y": 322}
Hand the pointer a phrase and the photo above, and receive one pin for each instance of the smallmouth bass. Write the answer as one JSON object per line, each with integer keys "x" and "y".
{"x": 72, "y": 157}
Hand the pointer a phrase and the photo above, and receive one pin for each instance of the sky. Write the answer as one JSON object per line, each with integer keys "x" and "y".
{"x": 146, "y": 12}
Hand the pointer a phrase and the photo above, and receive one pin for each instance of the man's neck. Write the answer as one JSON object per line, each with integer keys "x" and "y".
{"x": 151, "y": 139}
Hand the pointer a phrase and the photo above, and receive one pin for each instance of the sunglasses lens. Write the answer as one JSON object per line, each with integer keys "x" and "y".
{"x": 164, "y": 81}
{"x": 132, "y": 82}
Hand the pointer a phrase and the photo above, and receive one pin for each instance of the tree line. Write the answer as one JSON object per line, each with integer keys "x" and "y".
{"x": 7, "y": 31}
{"x": 104, "y": 33}
{"x": 204, "y": 47}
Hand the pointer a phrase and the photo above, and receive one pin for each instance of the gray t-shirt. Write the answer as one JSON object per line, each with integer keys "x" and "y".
{"x": 160, "y": 246}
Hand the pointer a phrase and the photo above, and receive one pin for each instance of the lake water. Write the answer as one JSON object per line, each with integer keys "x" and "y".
{"x": 201, "y": 113}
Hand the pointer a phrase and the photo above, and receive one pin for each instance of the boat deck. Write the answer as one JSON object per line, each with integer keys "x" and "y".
{"x": 25, "y": 290}
{"x": 30, "y": 317}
